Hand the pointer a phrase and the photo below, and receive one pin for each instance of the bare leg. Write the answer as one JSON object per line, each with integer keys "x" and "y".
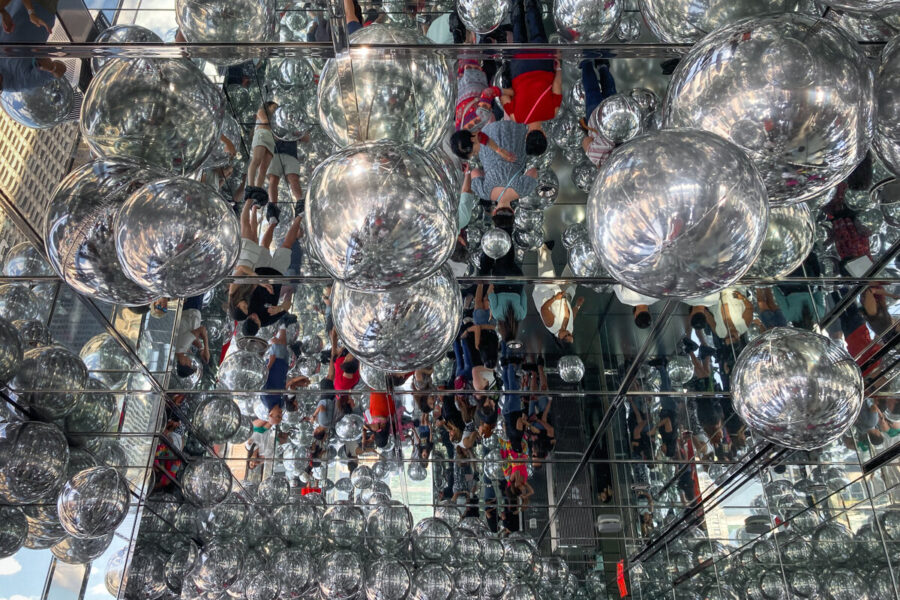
{"x": 264, "y": 163}
{"x": 254, "y": 221}
{"x": 296, "y": 190}
{"x": 293, "y": 233}
{"x": 266, "y": 240}
{"x": 273, "y": 189}
{"x": 253, "y": 168}
{"x": 248, "y": 227}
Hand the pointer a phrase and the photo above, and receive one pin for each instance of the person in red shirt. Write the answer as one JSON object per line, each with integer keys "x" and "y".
{"x": 536, "y": 77}
{"x": 346, "y": 371}
{"x": 857, "y": 335}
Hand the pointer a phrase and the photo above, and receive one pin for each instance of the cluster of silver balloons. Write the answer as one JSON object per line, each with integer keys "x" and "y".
{"x": 273, "y": 543}
{"x": 125, "y": 233}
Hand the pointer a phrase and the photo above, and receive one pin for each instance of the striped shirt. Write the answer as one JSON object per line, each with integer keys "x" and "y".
{"x": 499, "y": 173}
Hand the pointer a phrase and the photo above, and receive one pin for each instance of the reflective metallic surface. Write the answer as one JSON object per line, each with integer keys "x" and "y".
{"x": 677, "y": 214}
{"x": 789, "y": 240}
{"x": 686, "y": 21}
{"x": 42, "y": 106}
{"x": 585, "y": 20}
{"x": 401, "y": 329}
{"x": 797, "y": 388}
{"x": 408, "y": 101}
{"x": 176, "y": 237}
{"x": 93, "y": 503}
{"x": 794, "y": 92}
{"x": 380, "y": 215}
{"x": 49, "y": 368}
{"x": 618, "y": 118}
{"x": 236, "y": 21}
{"x": 10, "y": 350}
{"x": 483, "y": 16}
{"x": 122, "y": 34}
{"x": 33, "y": 460}
{"x": 164, "y": 113}
{"x": 887, "y": 106}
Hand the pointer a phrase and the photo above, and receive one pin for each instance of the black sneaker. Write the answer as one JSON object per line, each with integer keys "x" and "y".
{"x": 260, "y": 196}
{"x": 550, "y": 245}
{"x": 300, "y": 206}
{"x": 601, "y": 62}
{"x": 668, "y": 66}
{"x": 707, "y": 351}
{"x": 272, "y": 214}
{"x": 688, "y": 345}
{"x": 659, "y": 361}
{"x": 296, "y": 348}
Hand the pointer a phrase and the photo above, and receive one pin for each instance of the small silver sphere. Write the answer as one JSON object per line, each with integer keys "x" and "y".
{"x": 587, "y": 21}
{"x": 405, "y": 101}
{"x": 680, "y": 369}
{"x": 93, "y": 503}
{"x": 483, "y": 16}
{"x": 93, "y": 413}
{"x": 618, "y": 118}
{"x": 794, "y": 92}
{"x": 79, "y": 551}
{"x": 789, "y": 240}
{"x": 495, "y": 242}
{"x": 797, "y": 388}
{"x": 79, "y": 230}
{"x": 177, "y": 237}
{"x": 432, "y": 538}
{"x": 242, "y": 370}
{"x": 402, "y": 329}
{"x": 629, "y": 28}
{"x": 18, "y": 303}
{"x": 162, "y": 112}
{"x": 24, "y": 260}
{"x": 677, "y": 213}
{"x": 432, "y": 582}
{"x": 387, "y": 580}
{"x": 13, "y": 530}
{"x": 102, "y": 353}
{"x": 216, "y": 419}
{"x": 206, "y": 482}
{"x": 571, "y": 368}
{"x": 234, "y": 21}
{"x": 381, "y": 215}
{"x": 119, "y": 35}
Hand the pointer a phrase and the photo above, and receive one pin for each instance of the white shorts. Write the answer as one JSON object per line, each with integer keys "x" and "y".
{"x": 254, "y": 256}
{"x": 264, "y": 137}
{"x": 284, "y": 164}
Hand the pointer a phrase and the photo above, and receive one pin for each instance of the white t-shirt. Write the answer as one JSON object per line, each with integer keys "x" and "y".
{"x": 559, "y": 307}
{"x": 630, "y": 297}
{"x": 184, "y": 337}
{"x": 735, "y": 304}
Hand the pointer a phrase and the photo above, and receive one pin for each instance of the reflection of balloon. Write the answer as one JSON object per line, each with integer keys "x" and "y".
{"x": 380, "y": 215}
{"x": 495, "y": 242}
{"x": 242, "y": 370}
{"x": 387, "y": 580}
{"x": 680, "y": 369}
{"x": 587, "y": 20}
{"x": 571, "y": 368}
{"x": 618, "y": 118}
{"x": 79, "y": 233}
{"x": 402, "y": 329}
{"x": 789, "y": 240}
{"x": 33, "y": 460}
{"x": 206, "y": 482}
{"x": 94, "y": 412}
{"x": 797, "y": 388}
{"x": 93, "y": 502}
{"x": 794, "y": 92}
{"x": 13, "y": 529}
{"x": 50, "y": 368}
{"x": 677, "y": 213}
{"x": 164, "y": 112}
{"x": 78, "y": 551}
{"x": 10, "y": 350}
{"x": 24, "y": 260}
{"x": 216, "y": 419}
{"x": 887, "y": 117}
{"x": 406, "y": 101}
{"x": 103, "y": 354}
{"x": 234, "y": 21}
{"x": 18, "y": 302}
{"x": 686, "y": 21}
{"x": 341, "y": 575}
{"x": 177, "y": 237}
{"x": 432, "y": 538}
{"x": 42, "y": 106}
{"x": 483, "y": 16}
{"x": 118, "y": 35}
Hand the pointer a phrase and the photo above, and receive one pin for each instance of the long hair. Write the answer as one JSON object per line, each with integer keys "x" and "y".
{"x": 508, "y": 327}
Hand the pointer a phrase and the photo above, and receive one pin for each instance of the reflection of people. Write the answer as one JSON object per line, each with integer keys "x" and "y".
{"x": 262, "y": 151}
{"x": 553, "y": 301}
{"x": 596, "y": 147}
{"x": 27, "y": 21}
{"x": 284, "y": 164}
{"x": 190, "y": 333}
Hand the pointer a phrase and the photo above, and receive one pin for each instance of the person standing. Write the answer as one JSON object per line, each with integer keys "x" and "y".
{"x": 555, "y": 302}
{"x": 285, "y": 163}
{"x": 262, "y": 151}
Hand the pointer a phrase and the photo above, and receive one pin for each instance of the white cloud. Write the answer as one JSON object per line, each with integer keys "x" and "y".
{"x": 98, "y": 590}
{"x": 20, "y": 597}
{"x": 10, "y": 566}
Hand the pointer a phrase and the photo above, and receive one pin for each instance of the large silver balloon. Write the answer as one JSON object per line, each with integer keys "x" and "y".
{"x": 677, "y": 213}
{"x": 234, "y": 21}
{"x": 103, "y": 356}
{"x": 177, "y": 237}
{"x": 18, "y": 302}
{"x": 10, "y": 350}
{"x": 432, "y": 582}
{"x": 789, "y": 240}
{"x": 79, "y": 551}
{"x": 33, "y": 461}
{"x": 387, "y": 580}
{"x": 119, "y": 35}
{"x": 42, "y": 106}
{"x": 79, "y": 234}
{"x": 432, "y": 538}
{"x": 24, "y": 260}
{"x": 862, "y": 6}
{"x": 49, "y": 368}
{"x": 587, "y": 21}
{"x": 341, "y": 575}
{"x": 93, "y": 413}
{"x": 402, "y": 329}
{"x": 93, "y": 503}
{"x": 407, "y": 100}
{"x": 796, "y": 388}
{"x": 887, "y": 116}
{"x": 686, "y": 21}
{"x": 216, "y": 419}
{"x": 242, "y": 370}
{"x": 162, "y": 112}
{"x": 483, "y": 16}
{"x": 794, "y": 92}
{"x": 380, "y": 215}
